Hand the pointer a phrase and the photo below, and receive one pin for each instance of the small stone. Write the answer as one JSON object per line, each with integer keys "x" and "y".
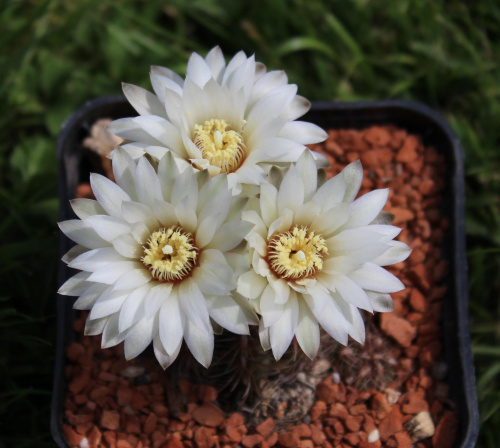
{"x": 403, "y": 440}
{"x": 336, "y": 378}
{"x": 318, "y": 410}
{"x": 207, "y": 394}
{"x": 110, "y": 438}
{"x": 208, "y": 415}
{"x": 249, "y": 441}
{"x": 359, "y": 409}
{"x": 80, "y": 381}
{"x": 380, "y": 405}
{"x": 391, "y": 424}
{"x": 203, "y": 437}
{"x": 174, "y": 443}
{"x": 402, "y": 215}
{"x": 94, "y": 438}
{"x": 408, "y": 152}
{"x": 233, "y": 434}
{"x": 132, "y": 372}
{"x": 150, "y": 424}
{"x": 391, "y": 395}
{"x": 352, "y": 423}
{"x": 373, "y": 436}
{"x": 74, "y": 351}
{"x": 397, "y": 328}
{"x": 71, "y": 436}
{"x": 317, "y": 436}
{"x": 414, "y": 403}
{"x": 123, "y": 395}
{"x": 236, "y": 419}
{"x": 265, "y": 429}
{"x": 418, "y": 301}
{"x": 110, "y": 420}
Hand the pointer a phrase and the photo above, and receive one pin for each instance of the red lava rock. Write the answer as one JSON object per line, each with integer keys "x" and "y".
{"x": 380, "y": 405}
{"x": 94, "y": 438}
{"x": 138, "y": 401}
{"x": 327, "y": 392}
{"x": 318, "y": 409}
{"x": 420, "y": 276}
{"x": 71, "y": 436}
{"x": 402, "y": 215}
{"x": 233, "y": 434}
{"x": 338, "y": 410}
{"x": 79, "y": 382}
{"x": 302, "y": 431}
{"x": 397, "y": 328}
{"x": 110, "y": 420}
{"x": 288, "y": 440}
{"x": 236, "y": 419}
{"x": 252, "y": 440}
{"x": 84, "y": 191}
{"x": 415, "y": 403}
{"x": 317, "y": 436}
{"x": 404, "y": 440}
{"x": 408, "y": 152}
{"x": 352, "y": 423}
{"x": 173, "y": 443}
{"x": 359, "y": 409}
{"x": 133, "y": 425}
{"x": 123, "y": 395}
{"x": 110, "y": 438}
{"x": 306, "y": 444}
{"x": 206, "y": 394}
{"x": 74, "y": 351}
{"x": 418, "y": 301}
{"x": 391, "y": 424}
{"x": 446, "y": 431}
{"x": 150, "y": 424}
{"x": 265, "y": 429}
{"x": 203, "y": 437}
{"x": 208, "y": 415}
{"x": 377, "y": 136}
{"x": 272, "y": 439}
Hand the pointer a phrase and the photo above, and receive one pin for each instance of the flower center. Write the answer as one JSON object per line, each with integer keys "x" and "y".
{"x": 220, "y": 145}
{"x": 296, "y": 254}
{"x": 170, "y": 254}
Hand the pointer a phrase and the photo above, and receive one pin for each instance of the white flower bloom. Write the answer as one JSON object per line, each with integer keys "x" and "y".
{"x": 235, "y": 118}
{"x": 316, "y": 257}
{"x": 157, "y": 259}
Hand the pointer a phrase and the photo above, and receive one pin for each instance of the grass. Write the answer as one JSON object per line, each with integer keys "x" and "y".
{"x": 59, "y": 53}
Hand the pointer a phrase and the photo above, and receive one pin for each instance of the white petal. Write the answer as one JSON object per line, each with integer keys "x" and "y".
{"x": 165, "y": 213}
{"x": 206, "y": 230}
{"x": 291, "y": 192}
{"x": 162, "y": 356}
{"x": 331, "y": 192}
{"x": 281, "y": 333}
{"x": 162, "y": 131}
{"x": 156, "y": 69}
{"x": 156, "y": 297}
{"x": 135, "y": 150}
{"x": 108, "y": 303}
{"x": 282, "y": 224}
{"x": 198, "y": 70}
{"x": 171, "y": 323}
{"x": 268, "y": 203}
{"x": 132, "y": 309}
{"x": 250, "y": 174}
{"x": 230, "y": 235}
{"x": 110, "y": 334}
{"x": 228, "y": 314}
{"x": 147, "y": 183}
{"x": 307, "y": 331}
{"x": 270, "y": 310}
{"x": 352, "y": 292}
{"x": 84, "y": 208}
{"x": 108, "y": 227}
{"x": 94, "y": 327}
{"x": 303, "y": 132}
{"x": 144, "y": 102}
{"x": 353, "y": 176}
{"x": 264, "y": 336}
{"x": 193, "y": 304}
{"x": 186, "y": 215}
{"x": 216, "y": 63}
{"x": 167, "y": 173}
{"x": 134, "y": 212}
{"x": 89, "y": 297}
{"x": 331, "y": 319}
{"x": 214, "y": 262}
{"x": 266, "y": 83}
{"x": 330, "y": 221}
{"x": 281, "y": 289}
{"x": 255, "y": 241}
{"x": 309, "y": 174}
{"x": 75, "y": 285}
{"x": 274, "y": 150}
{"x": 82, "y": 233}
{"x": 298, "y": 107}
{"x": 239, "y": 263}
{"x": 396, "y": 253}
{"x": 109, "y": 195}
{"x": 364, "y": 209}
{"x": 140, "y": 336}
{"x": 380, "y": 302}
{"x": 92, "y": 260}
{"x": 251, "y": 285}
{"x": 111, "y": 272}
{"x": 200, "y": 343}
{"x": 160, "y": 85}
{"x": 129, "y": 129}
{"x": 128, "y": 247}
{"x": 208, "y": 282}
{"x": 74, "y": 252}
{"x": 124, "y": 171}
{"x": 373, "y": 277}
{"x": 133, "y": 279}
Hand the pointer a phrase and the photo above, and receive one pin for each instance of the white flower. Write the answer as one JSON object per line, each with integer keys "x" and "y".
{"x": 156, "y": 257}
{"x": 233, "y": 118}
{"x": 317, "y": 255}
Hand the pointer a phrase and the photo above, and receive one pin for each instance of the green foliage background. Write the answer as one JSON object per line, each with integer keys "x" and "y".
{"x": 57, "y": 54}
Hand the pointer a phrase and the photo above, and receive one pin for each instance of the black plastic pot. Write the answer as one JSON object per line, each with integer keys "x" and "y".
{"x": 415, "y": 118}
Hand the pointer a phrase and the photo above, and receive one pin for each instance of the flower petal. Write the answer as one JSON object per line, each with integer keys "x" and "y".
{"x": 171, "y": 323}
{"x": 108, "y": 227}
{"x": 144, "y": 102}
{"x": 108, "y": 303}
{"x": 281, "y": 333}
{"x": 228, "y": 314}
{"x": 230, "y": 235}
{"x": 82, "y": 233}
{"x": 291, "y": 192}
{"x": 140, "y": 336}
{"x": 373, "y": 277}
{"x": 75, "y": 285}
{"x": 251, "y": 285}
{"x": 303, "y": 132}
{"x": 193, "y": 304}
{"x": 200, "y": 343}
{"x": 109, "y": 195}
{"x": 353, "y": 176}
{"x": 132, "y": 309}
{"x": 133, "y": 279}
{"x": 124, "y": 171}
{"x": 84, "y": 208}
{"x": 307, "y": 331}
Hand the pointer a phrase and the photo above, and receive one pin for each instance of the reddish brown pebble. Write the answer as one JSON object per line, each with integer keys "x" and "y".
{"x": 94, "y": 438}
{"x": 150, "y": 424}
{"x": 404, "y": 440}
{"x": 84, "y": 191}
{"x": 138, "y": 401}
{"x": 71, "y": 436}
{"x": 110, "y": 420}
{"x": 402, "y": 215}
{"x": 338, "y": 410}
{"x": 418, "y": 301}
{"x": 79, "y": 383}
{"x": 359, "y": 409}
{"x": 203, "y": 437}
{"x": 206, "y": 394}
{"x": 288, "y": 440}
{"x": 446, "y": 431}
{"x": 105, "y": 376}
{"x": 208, "y": 415}
{"x": 352, "y": 423}
{"x": 249, "y": 441}
{"x": 173, "y": 443}
{"x": 318, "y": 409}
{"x": 110, "y": 438}
{"x": 74, "y": 351}
{"x": 272, "y": 439}
{"x": 391, "y": 424}
{"x": 265, "y": 429}
{"x": 123, "y": 395}
{"x": 233, "y": 434}
{"x": 236, "y": 419}
{"x": 408, "y": 152}
{"x": 123, "y": 443}
{"x": 317, "y": 435}
{"x": 414, "y": 403}
{"x": 397, "y": 328}
{"x": 306, "y": 443}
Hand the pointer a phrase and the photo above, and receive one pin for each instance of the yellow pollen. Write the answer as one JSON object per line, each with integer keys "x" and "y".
{"x": 296, "y": 254}
{"x": 170, "y": 254}
{"x": 221, "y": 145}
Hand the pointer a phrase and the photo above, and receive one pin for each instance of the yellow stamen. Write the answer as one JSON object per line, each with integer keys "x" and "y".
{"x": 170, "y": 254}
{"x": 220, "y": 145}
{"x": 296, "y": 254}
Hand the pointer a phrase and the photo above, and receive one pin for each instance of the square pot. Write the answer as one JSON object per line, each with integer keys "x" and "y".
{"x": 416, "y": 119}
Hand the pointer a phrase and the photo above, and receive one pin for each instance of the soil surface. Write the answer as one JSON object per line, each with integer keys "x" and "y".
{"x": 391, "y": 392}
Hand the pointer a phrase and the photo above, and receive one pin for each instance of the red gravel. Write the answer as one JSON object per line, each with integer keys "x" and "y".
{"x": 118, "y": 404}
